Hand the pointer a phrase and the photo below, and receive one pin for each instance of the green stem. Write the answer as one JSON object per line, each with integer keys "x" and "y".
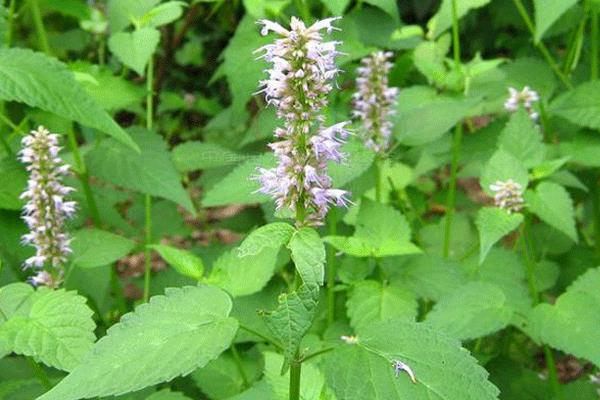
{"x": 318, "y": 353}
{"x": 458, "y": 132}
{"x": 39, "y": 373}
{"x": 540, "y": 45}
{"x": 263, "y": 337}
{"x": 451, "y": 199}
{"x": 378, "y": 177}
{"x": 594, "y": 44}
{"x": 10, "y": 22}
{"x": 148, "y": 198}
{"x": 83, "y": 178}
{"x": 295, "y": 371}
{"x": 238, "y": 362}
{"x": 331, "y": 267}
{"x": 39, "y": 25}
{"x": 595, "y": 189}
{"x": 101, "y": 50}
{"x": 529, "y": 255}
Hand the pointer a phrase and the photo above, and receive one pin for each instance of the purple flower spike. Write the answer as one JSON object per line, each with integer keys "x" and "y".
{"x": 300, "y": 78}
{"x": 374, "y": 102}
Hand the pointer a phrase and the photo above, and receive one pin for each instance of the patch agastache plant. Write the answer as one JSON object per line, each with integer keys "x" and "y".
{"x": 302, "y": 75}
{"x": 47, "y": 207}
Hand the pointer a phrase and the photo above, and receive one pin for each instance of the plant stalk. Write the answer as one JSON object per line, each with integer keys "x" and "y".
{"x": 148, "y": 198}
{"x": 295, "y": 372}
{"x": 331, "y": 267}
{"x": 10, "y": 22}
{"x": 38, "y": 22}
{"x": 540, "y": 45}
{"x": 595, "y": 47}
{"x": 238, "y": 362}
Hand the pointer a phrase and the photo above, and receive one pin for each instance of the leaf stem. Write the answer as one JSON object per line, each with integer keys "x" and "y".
{"x": 147, "y": 197}
{"x": 529, "y": 255}
{"x": 36, "y": 15}
{"x": 378, "y": 176}
{"x": 10, "y": 21}
{"x": 84, "y": 178}
{"x": 263, "y": 337}
{"x": 594, "y": 43}
{"x": 318, "y": 353}
{"x": 295, "y": 373}
{"x": 458, "y": 133}
{"x": 238, "y": 362}
{"x": 39, "y": 373}
{"x": 540, "y": 45}
{"x": 331, "y": 267}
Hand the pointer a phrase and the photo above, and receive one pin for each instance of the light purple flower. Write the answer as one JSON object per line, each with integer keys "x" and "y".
{"x": 374, "y": 101}
{"x": 508, "y": 195}
{"x": 527, "y": 97}
{"x": 299, "y": 80}
{"x": 46, "y": 208}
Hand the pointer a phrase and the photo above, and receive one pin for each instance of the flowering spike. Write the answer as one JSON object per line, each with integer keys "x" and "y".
{"x": 300, "y": 78}
{"x": 508, "y": 195}
{"x": 46, "y": 208}
{"x": 399, "y": 366}
{"x": 526, "y": 96}
{"x": 374, "y": 101}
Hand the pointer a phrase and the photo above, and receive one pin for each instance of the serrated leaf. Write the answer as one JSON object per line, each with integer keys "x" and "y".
{"x": 292, "y": 318}
{"x": 502, "y": 167}
{"x": 381, "y": 231}
{"x": 442, "y": 20}
{"x": 548, "y": 12}
{"x": 163, "y": 14}
{"x": 150, "y": 172}
{"x": 183, "y": 261}
{"x": 552, "y": 203}
{"x": 167, "y": 394}
{"x": 308, "y": 254}
{"x": 389, "y": 6}
{"x": 523, "y": 139}
{"x": 476, "y": 309}
{"x": 493, "y": 224}
{"x": 170, "y": 336}
{"x": 39, "y": 81}
{"x": 134, "y": 49}
{"x": 272, "y": 235}
{"x": 241, "y": 276}
{"x": 443, "y": 370}
{"x": 52, "y": 326}
{"x": 571, "y": 324}
{"x": 580, "y": 106}
{"x": 190, "y": 156}
{"x": 94, "y": 247}
{"x": 13, "y": 180}
{"x": 122, "y": 13}
{"x": 370, "y": 302}
{"x": 359, "y": 159}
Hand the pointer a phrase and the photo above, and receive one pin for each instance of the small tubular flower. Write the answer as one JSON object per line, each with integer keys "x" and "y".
{"x": 46, "y": 209}
{"x": 508, "y": 195}
{"x": 374, "y": 101}
{"x": 299, "y": 80}
{"x": 527, "y": 97}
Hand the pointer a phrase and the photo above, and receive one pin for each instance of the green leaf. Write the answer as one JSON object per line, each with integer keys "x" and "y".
{"x": 427, "y": 120}
{"x": 163, "y": 14}
{"x": 150, "y": 172}
{"x": 52, "y": 326}
{"x": 237, "y": 187}
{"x": 580, "y": 106}
{"x": 493, "y": 224}
{"x": 571, "y": 324}
{"x": 552, "y": 203}
{"x": 474, "y": 310}
{"x": 308, "y": 254}
{"x": 336, "y": 7}
{"x": 389, "y": 6}
{"x": 381, "y": 231}
{"x": 502, "y": 167}
{"x": 523, "y": 139}
{"x": 43, "y": 82}
{"x": 134, "y": 49}
{"x": 122, "y": 13}
{"x": 272, "y": 236}
{"x": 241, "y": 276}
{"x": 443, "y": 370}
{"x": 242, "y": 69}
{"x": 359, "y": 157}
{"x": 370, "y": 302}
{"x": 94, "y": 247}
{"x": 13, "y": 181}
{"x": 183, "y": 261}
{"x": 442, "y": 20}
{"x": 547, "y": 12}
{"x": 191, "y": 156}
{"x": 166, "y": 394}
{"x": 189, "y": 326}
{"x": 292, "y": 318}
